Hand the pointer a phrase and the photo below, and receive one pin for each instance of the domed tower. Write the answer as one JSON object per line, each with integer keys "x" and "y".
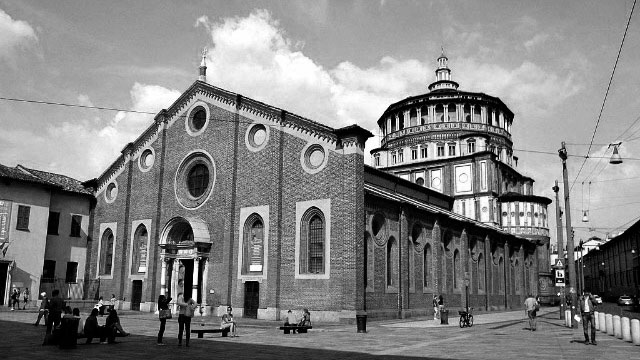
{"x": 459, "y": 143}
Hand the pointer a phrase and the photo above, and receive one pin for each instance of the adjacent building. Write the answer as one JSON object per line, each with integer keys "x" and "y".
{"x": 44, "y": 222}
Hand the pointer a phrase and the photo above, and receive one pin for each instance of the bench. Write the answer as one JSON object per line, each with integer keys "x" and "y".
{"x": 201, "y": 332}
{"x": 301, "y": 329}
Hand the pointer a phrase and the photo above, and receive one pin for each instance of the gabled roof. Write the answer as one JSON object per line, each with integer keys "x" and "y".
{"x": 43, "y": 178}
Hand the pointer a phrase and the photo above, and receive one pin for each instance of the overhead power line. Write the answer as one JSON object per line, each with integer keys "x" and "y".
{"x": 604, "y": 101}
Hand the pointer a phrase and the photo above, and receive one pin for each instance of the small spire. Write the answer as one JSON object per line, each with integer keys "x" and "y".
{"x": 442, "y": 54}
{"x": 203, "y": 66}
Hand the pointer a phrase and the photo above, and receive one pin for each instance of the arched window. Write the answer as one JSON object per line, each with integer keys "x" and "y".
{"x": 312, "y": 242}
{"x": 401, "y": 119}
{"x": 428, "y": 264}
{"x": 467, "y": 112}
{"x": 516, "y": 281}
{"x": 424, "y": 115}
{"x": 139, "y": 258}
{"x": 456, "y": 270}
{"x": 501, "y": 276}
{"x": 253, "y": 245}
{"x": 452, "y": 113}
{"x": 413, "y": 117}
{"x": 477, "y": 114}
{"x": 369, "y": 260}
{"x": 392, "y": 262}
{"x": 481, "y": 265}
{"x": 106, "y": 251}
{"x": 439, "y": 113}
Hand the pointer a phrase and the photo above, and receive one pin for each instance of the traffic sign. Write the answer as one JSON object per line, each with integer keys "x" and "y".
{"x": 559, "y": 277}
{"x": 559, "y": 263}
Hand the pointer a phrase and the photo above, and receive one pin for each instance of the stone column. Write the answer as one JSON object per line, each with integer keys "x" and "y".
{"x": 205, "y": 270}
{"x": 174, "y": 281}
{"x": 194, "y": 286}
{"x": 432, "y": 110}
{"x": 419, "y": 114}
{"x": 163, "y": 276}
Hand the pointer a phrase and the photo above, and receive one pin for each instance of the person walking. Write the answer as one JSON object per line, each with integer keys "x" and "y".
{"x": 436, "y": 312}
{"x": 55, "y": 307}
{"x": 531, "y": 308}
{"x": 15, "y": 299}
{"x": 43, "y": 311}
{"x": 163, "y": 307}
{"x": 587, "y": 308}
{"x": 25, "y": 298}
{"x": 185, "y": 313}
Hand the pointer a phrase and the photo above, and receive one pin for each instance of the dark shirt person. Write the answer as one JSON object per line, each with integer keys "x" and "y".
{"x": 92, "y": 329}
{"x": 55, "y": 305}
{"x": 113, "y": 326}
{"x": 163, "y": 304}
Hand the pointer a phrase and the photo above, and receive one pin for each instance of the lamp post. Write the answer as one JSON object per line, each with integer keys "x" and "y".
{"x": 571, "y": 279}
{"x": 560, "y": 245}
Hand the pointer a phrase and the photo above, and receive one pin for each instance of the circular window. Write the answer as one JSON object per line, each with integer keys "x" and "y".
{"x": 197, "y": 118}
{"x": 435, "y": 182}
{"x": 257, "y": 137}
{"x": 314, "y": 158}
{"x": 111, "y": 192}
{"x": 504, "y": 213}
{"x": 485, "y": 209}
{"x": 198, "y": 180}
{"x": 146, "y": 160}
{"x": 195, "y": 179}
{"x": 463, "y": 178}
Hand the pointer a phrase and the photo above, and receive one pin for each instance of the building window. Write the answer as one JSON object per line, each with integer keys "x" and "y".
{"x": 414, "y": 153}
{"x": 54, "y": 221}
{"x": 420, "y": 181}
{"x": 423, "y": 152}
{"x": 48, "y": 271}
{"x": 452, "y": 149}
{"x": 394, "y": 159}
{"x": 106, "y": 253}
{"x": 76, "y": 222}
{"x": 23, "y": 217}
{"x": 198, "y": 180}
{"x": 369, "y": 260}
{"x": 376, "y": 159}
{"x": 481, "y": 266}
{"x": 456, "y": 270}
{"x": 312, "y": 241}
{"x": 471, "y": 147}
{"x": 440, "y": 149}
{"x": 72, "y": 272}
{"x": 428, "y": 264}
{"x": 392, "y": 262}
{"x": 139, "y": 259}
{"x": 253, "y": 245}
{"x": 400, "y": 156}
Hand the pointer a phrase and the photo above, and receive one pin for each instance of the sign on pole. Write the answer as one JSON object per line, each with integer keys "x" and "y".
{"x": 559, "y": 263}
{"x": 559, "y": 277}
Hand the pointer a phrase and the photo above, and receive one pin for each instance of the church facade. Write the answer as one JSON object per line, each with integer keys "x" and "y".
{"x": 235, "y": 202}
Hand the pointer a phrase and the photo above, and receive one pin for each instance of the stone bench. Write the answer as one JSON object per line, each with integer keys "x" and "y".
{"x": 202, "y": 331}
{"x": 301, "y": 329}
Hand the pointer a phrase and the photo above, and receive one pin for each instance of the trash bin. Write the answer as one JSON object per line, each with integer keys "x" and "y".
{"x": 444, "y": 317}
{"x": 68, "y": 333}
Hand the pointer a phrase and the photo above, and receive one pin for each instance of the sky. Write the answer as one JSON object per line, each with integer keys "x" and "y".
{"x": 336, "y": 62}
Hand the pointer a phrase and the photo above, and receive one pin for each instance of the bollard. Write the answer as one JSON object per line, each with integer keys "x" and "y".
{"x": 567, "y": 318}
{"x": 602, "y": 322}
{"x": 635, "y": 331}
{"x": 608, "y": 318}
{"x": 626, "y": 329}
{"x": 596, "y": 321}
{"x": 617, "y": 330}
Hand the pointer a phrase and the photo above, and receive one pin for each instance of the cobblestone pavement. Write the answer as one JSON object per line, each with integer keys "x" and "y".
{"x": 502, "y": 335}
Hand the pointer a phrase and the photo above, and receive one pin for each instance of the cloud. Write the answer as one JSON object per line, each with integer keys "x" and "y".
{"x": 14, "y": 35}
{"x": 536, "y": 40}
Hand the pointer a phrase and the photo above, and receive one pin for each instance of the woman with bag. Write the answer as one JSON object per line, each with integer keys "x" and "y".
{"x": 163, "y": 313}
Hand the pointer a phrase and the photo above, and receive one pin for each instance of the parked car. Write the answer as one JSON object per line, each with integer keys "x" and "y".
{"x": 598, "y": 299}
{"x": 625, "y": 300}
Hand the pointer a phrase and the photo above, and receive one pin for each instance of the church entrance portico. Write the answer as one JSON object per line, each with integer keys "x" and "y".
{"x": 185, "y": 245}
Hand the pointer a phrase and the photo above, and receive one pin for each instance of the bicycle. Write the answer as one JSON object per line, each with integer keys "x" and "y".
{"x": 466, "y": 318}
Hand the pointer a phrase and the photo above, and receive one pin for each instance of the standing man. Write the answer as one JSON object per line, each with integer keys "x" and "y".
{"x": 43, "y": 311}
{"x": 185, "y": 313}
{"x": 531, "y": 306}
{"x": 587, "y": 307}
{"x": 25, "y": 298}
{"x": 55, "y": 306}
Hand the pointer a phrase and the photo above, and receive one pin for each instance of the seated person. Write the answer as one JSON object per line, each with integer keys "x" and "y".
{"x": 290, "y": 320}
{"x": 113, "y": 326}
{"x": 92, "y": 329}
{"x": 306, "y": 318}
{"x": 76, "y": 315}
{"x": 228, "y": 322}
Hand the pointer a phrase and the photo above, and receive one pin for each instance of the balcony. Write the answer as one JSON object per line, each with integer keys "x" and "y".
{"x": 446, "y": 126}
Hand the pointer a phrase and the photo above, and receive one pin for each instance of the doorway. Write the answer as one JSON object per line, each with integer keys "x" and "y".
{"x": 4, "y": 268}
{"x": 185, "y": 278}
{"x": 136, "y": 295}
{"x": 251, "y": 299}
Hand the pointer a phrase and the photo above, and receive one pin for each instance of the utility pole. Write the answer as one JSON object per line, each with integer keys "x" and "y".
{"x": 559, "y": 240}
{"x": 571, "y": 279}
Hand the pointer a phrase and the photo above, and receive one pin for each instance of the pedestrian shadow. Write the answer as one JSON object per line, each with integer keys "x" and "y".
{"x": 510, "y": 323}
